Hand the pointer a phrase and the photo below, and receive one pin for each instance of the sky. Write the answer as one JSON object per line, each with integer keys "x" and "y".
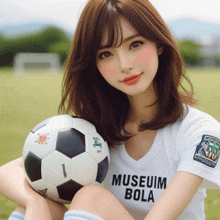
{"x": 65, "y": 13}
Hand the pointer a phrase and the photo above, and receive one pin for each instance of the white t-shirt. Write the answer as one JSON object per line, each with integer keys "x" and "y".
{"x": 192, "y": 144}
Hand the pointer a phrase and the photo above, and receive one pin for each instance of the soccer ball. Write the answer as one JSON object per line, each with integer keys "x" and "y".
{"x": 62, "y": 154}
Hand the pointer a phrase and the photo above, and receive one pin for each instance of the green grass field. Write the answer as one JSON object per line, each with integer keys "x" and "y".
{"x": 27, "y": 101}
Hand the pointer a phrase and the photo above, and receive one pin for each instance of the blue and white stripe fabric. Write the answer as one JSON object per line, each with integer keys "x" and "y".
{"x": 69, "y": 215}
{"x": 80, "y": 215}
{"x": 16, "y": 216}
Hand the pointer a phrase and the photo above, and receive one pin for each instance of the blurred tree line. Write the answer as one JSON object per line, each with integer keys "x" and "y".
{"x": 190, "y": 52}
{"x": 53, "y": 40}
{"x": 49, "y": 40}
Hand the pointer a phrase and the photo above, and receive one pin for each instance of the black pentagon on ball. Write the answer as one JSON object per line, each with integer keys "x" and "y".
{"x": 67, "y": 190}
{"x": 70, "y": 142}
{"x": 32, "y": 165}
{"x": 102, "y": 170}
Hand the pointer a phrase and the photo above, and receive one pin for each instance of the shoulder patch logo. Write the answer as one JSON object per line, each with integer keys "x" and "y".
{"x": 207, "y": 151}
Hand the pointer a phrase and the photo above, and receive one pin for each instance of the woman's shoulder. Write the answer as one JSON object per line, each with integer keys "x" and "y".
{"x": 195, "y": 123}
{"x": 193, "y": 116}
{"x": 191, "y": 121}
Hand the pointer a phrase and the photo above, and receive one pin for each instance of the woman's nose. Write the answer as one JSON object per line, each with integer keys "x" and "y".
{"x": 125, "y": 63}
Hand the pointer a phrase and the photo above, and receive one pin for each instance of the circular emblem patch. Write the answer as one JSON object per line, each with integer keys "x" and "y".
{"x": 42, "y": 139}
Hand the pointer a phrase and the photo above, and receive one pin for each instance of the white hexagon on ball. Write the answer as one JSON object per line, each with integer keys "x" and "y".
{"x": 56, "y": 168}
{"x": 84, "y": 169}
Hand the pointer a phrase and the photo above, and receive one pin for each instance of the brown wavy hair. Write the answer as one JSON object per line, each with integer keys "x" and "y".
{"x": 85, "y": 92}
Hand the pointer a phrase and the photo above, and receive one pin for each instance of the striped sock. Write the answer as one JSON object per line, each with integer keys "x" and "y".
{"x": 16, "y": 216}
{"x": 80, "y": 215}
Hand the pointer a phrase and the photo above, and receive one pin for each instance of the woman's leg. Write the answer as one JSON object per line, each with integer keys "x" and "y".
{"x": 100, "y": 202}
{"x": 20, "y": 209}
{"x": 57, "y": 211}
{"x": 95, "y": 200}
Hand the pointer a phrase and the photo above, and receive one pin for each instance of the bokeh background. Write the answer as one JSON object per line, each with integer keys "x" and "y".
{"x": 47, "y": 26}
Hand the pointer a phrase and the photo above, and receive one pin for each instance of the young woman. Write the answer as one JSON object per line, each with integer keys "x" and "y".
{"x": 124, "y": 75}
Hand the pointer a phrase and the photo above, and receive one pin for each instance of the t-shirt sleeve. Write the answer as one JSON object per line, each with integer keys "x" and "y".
{"x": 199, "y": 148}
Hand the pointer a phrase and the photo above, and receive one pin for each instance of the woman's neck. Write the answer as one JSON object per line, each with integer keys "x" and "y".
{"x": 139, "y": 110}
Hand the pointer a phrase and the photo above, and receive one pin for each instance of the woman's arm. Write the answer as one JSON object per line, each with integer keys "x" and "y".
{"x": 176, "y": 197}
{"x": 14, "y": 186}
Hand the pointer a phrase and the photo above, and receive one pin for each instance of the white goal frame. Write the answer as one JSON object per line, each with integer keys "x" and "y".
{"x": 36, "y": 60}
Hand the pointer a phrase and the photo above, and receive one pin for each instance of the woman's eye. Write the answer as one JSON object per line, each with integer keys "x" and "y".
{"x": 104, "y": 55}
{"x": 136, "y": 44}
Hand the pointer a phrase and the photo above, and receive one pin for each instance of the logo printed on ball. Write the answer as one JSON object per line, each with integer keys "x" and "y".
{"x": 42, "y": 139}
{"x": 43, "y": 191}
{"x": 97, "y": 144}
{"x": 64, "y": 171}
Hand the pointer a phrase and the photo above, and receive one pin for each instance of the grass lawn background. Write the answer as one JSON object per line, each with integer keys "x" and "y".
{"x": 26, "y": 101}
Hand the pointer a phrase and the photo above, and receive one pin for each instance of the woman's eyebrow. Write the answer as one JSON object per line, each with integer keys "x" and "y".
{"x": 124, "y": 41}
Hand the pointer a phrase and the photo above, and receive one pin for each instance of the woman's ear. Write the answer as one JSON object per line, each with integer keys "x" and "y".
{"x": 160, "y": 50}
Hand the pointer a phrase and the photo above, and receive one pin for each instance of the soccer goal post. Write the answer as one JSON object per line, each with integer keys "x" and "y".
{"x": 49, "y": 63}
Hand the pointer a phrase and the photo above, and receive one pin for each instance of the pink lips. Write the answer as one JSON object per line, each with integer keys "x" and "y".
{"x": 132, "y": 79}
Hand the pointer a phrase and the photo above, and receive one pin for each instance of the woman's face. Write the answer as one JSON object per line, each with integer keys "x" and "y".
{"x": 131, "y": 67}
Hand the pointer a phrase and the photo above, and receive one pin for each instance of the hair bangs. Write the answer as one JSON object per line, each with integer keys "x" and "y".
{"x": 109, "y": 31}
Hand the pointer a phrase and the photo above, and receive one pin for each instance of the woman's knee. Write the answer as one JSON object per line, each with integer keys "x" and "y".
{"x": 100, "y": 202}
{"x": 89, "y": 195}
{"x": 90, "y": 192}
